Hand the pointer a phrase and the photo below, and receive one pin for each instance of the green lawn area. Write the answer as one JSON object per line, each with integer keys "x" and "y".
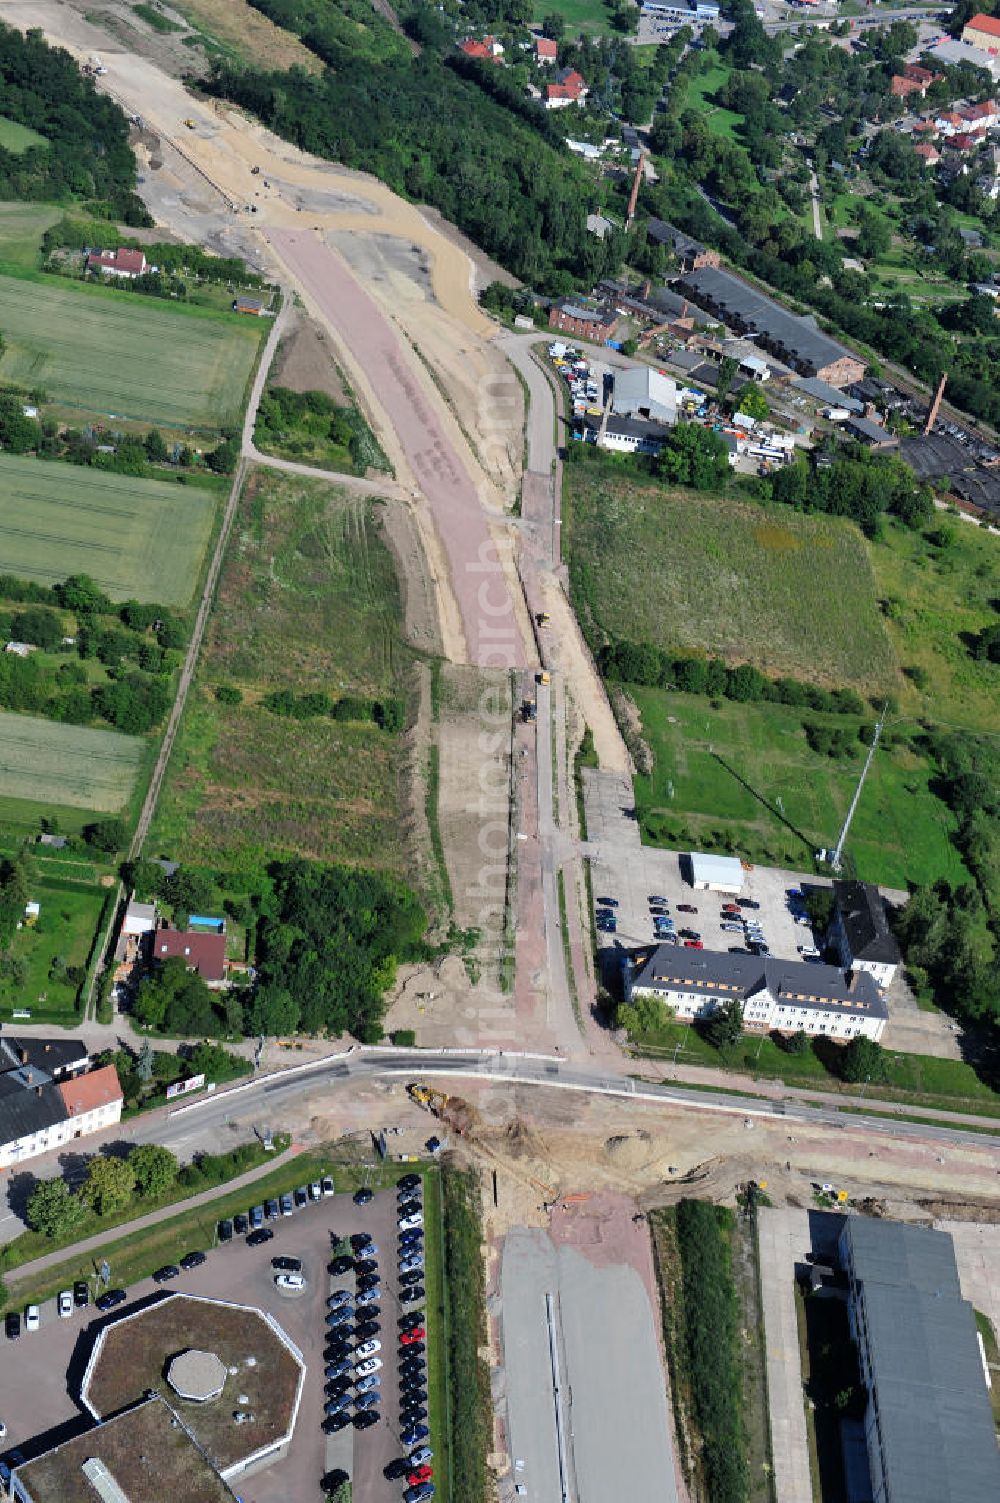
{"x": 21, "y": 229}
{"x": 61, "y": 938}
{"x": 938, "y": 598}
{"x": 17, "y": 138}
{"x": 695, "y": 797}
{"x": 308, "y": 599}
{"x": 138, "y": 539}
{"x": 109, "y": 353}
{"x": 592, "y": 17}
{"x": 51, "y": 764}
{"x": 721, "y": 122}
{"x": 915, "y": 1079}
{"x": 791, "y": 594}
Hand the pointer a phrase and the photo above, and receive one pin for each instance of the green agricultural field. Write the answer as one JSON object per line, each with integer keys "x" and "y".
{"x": 790, "y": 594}
{"x": 142, "y": 539}
{"x": 308, "y": 600}
{"x": 17, "y": 138}
{"x": 741, "y": 777}
{"x": 21, "y": 229}
{"x": 937, "y": 598}
{"x": 107, "y": 353}
{"x": 51, "y": 764}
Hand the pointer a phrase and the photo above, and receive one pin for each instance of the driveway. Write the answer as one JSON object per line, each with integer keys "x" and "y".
{"x": 587, "y": 1406}
{"x": 784, "y": 1239}
{"x": 41, "y": 1402}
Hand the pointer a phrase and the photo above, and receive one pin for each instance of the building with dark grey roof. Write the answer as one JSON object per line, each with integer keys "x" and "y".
{"x": 44, "y": 1100}
{"x": 860, "y": 933}
{"x": 928, "y": 1425}
{"x": 822, "y": 391}
{"x": 797, "y": 341}
{"x": 782, "y": 995}
{"x": 691, "y": 254}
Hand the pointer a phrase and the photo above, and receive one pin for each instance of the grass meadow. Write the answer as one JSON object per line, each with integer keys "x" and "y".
{"x": 721, "y": 122}
{"x": 788, "y": 593}
{"x": 587, "y": 17}
{"x": 741, "y": 777}
{"x": 21, "y": 229}
{"x": 51, "y": 765}
{"x": 111, "y": 354}
{"x": 62, "y": 937}
{"x": 308, "y": 600}
{"x": 17, "y": 138}
{"x": 141, "y": 539}
{"x": 938, "y": 596}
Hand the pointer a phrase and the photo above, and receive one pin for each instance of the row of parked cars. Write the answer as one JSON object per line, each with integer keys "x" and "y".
{"x": 733, "y": 920}
{"x": 250, "y": 1224}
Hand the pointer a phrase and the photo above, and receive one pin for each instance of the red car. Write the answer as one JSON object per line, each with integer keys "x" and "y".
{"x": 420, "y": 1474}
{"x": 730, "y": 908}
{"x": 694, "y": 944}
{"x": 409, "y": 1337}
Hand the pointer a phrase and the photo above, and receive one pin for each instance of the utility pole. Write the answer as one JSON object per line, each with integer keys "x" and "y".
{"x": 838, "y": 850}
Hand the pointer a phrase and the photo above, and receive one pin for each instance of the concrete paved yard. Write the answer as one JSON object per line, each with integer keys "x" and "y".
{"x": 42, "y": 1402}
{"x": 784, "y": 1240}
{"x": 616, "y": 1424}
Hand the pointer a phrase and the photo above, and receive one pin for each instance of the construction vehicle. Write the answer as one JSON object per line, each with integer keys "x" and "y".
{"x": 255, "y": 172}
{"x": 543, "y": 618}
{"x": 190, "y": 124}
{"x": 529, "y": 711}
{"x": 543, "y": 677}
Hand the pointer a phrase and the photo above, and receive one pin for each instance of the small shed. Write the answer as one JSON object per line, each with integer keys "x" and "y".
{"x": 715, "y": 873}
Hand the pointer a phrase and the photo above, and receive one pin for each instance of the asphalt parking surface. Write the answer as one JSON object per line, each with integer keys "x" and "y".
{"x": 616, "y": 1424}
{"x": 50, "y": 1362}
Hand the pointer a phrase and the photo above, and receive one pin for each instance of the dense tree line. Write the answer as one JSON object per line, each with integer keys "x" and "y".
{"x": 299, "y": 420}
{"x": 86, "y": 153}
{"x": 711, "y": 1332}
{"x": 388, "y": 714}
{"x": 862, "y": 485}
{"x": 643, "y": 663}
{"x": 435, "y": 136}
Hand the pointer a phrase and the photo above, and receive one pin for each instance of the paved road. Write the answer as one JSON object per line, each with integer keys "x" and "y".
{"x": 783, "y": 1239}
{"x": 587, "y": 1409}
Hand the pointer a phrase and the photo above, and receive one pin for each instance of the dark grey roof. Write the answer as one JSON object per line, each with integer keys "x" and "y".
{"x": 982, "y": 488}
{"x": 862, "y": 914}
{"x": 670, "y": 303}
{"x": 588, "y": 315}
{"x": 824, "y": 392}
{"x": 629, "y": 427}
{"x": 25, "y": 1110}
{"x": 51, "y": 1056}
{"x": 932, "y": 1412}
{"x": 794, "y": 983}
{"x": 936, "y": 455}
{"x": 869, "y": 432}
{"x": 799, "y": 339}
{"x": 662, "y": 233}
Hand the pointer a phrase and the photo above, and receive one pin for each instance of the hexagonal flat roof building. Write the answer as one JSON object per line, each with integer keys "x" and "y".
{"x": 229, "y": 1371}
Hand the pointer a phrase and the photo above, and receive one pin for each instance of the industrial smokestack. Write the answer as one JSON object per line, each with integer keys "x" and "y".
{"x": 636, "y": 184}
{"x": 935, "y": 405}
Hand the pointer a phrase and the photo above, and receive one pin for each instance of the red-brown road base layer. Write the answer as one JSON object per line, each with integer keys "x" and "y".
{"x": 478, "y": 581}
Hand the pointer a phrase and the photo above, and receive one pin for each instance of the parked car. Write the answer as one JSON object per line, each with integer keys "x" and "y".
{"x": 315, "y": 1190}
{"x": 369, "y": 1348}
{"x": 730, "y": 908}
{"x": 287, "y": 1204}
{"x": 112, "y": 1298}
{"x": 420, "y": 1455}
{"x": 655, "y": 897}
{"x": 694, "y": 944}
{"x": 417, "y": 1349}
{"x": 326, "y": 1184}
{"x": 341, "y": 1265}
{"x": 747, "y": 903}
{"x": 337, "y": 1369}
{"x": 12, "y": 1325}
{"x": 409, "y": 1337}
{"x": 272, "y": 1209}
{"x": 241, "y": 1224}
{"x": 728, "y": 928}
{"x": 409, "y": 1296}
{"x": 411, "y": 1321}
{"x": 369, "y": 1365}
{"x": 260, "y": 1236}
{"x": 289, "y": 1281}
{"x": 368, "y": 1400}
{"x": 292, "y": 1265}
{"x": 81, "y": 1294}
{"x": 365, "y": 1385}
{"x": 409, "y": 1182}
{"x": 341, "y": 1402}
{"x": 808, "y": 952}
{"x": 256, "y": 1216}
{"x": 334, "y": 1301}
{"x": 367, "y": 1330}
{"x": 366, "y": 1419}
{"x": 225, "y": 1230}
{"x": 363, "y": 1197}
{"x": 411, "y": 1263}
{"x": 414, "y": 1219}
{"x": 301, "y": 1196}
{"x": 690, "y": 934}
{"x": 414, "y": 1433}
{"x": 335, "y": 1422}
{"x": 686, "y": 908}
{"x": 420, "y": 1493}
{"x": 608, "y": 902}
{"x": 166, "y": 1273}
{"x": 341, "y": 1317}
{"x": 192, "y": 1260}
{"x": 64, "y": 1302}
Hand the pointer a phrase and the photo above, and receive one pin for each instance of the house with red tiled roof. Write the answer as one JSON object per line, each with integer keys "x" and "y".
{"x": 118, "y": 263}
{"x": 901, "y": 87}
{"x": 546, "y": 50}
{"x": 983, "y": 116}
{"x": 487, "y": 50}
{"x": 982, "y": 31}
{"x": 204, "y": 953}
{"x": 569, "y": 88}
{"x": 93, "y": 1100}
{"x": 929, "y": 153}
{"x": 948, "y": 122}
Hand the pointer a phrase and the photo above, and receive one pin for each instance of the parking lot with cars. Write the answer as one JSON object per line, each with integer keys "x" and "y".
{"x": 343, "y": 1275}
